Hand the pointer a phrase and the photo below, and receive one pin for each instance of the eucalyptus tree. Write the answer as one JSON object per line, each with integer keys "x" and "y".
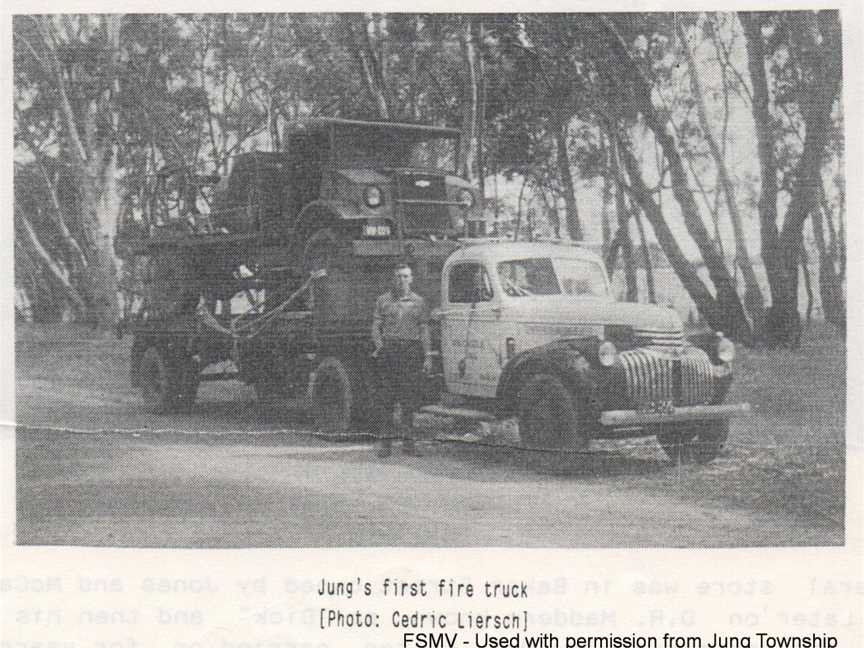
{"x": 795, "y": 65}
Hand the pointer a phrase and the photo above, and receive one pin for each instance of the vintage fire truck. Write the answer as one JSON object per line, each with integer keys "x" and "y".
{"x": 308, "y": 237}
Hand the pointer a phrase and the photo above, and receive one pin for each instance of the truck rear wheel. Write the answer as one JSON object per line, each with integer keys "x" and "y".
{"x": 159, "y": 382}
{"x": 694, "y": 443}
{"x": 548, "y": 415}
{"x": 167, "y": 385}
{"x": 338, "y": 397}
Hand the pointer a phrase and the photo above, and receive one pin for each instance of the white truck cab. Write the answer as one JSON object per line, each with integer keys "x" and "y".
{"x": 531, "y": 329}
{"x": 500, "y": 299}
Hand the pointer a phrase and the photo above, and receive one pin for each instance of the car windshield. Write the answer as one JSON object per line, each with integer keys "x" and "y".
{"x": 371, "y": 148}
{"x": 552, "y": 276}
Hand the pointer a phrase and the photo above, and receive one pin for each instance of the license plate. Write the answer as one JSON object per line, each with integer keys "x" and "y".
{"x": 376, "y": 230}
{"x": 659, "y": 407}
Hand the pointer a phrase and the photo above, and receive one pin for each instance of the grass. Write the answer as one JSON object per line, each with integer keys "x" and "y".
{"x": 789, "y": 455}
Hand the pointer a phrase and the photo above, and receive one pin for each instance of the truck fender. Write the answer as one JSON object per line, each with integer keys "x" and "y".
{"x": 569, "y": 360}
{"x": 319, "y": 214}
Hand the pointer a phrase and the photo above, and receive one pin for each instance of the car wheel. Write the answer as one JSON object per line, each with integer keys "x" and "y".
{"x": 548, "y": 414}
{"x": 710, "y": 439}
{"x": 675, "y": 441}
{"x": 695, "y": 443}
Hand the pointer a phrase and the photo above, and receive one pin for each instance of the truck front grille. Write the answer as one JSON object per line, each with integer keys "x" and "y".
{"x": 649, "y": 337}
{"x": 418, "y": 217}
{"x": 655, "y": 376}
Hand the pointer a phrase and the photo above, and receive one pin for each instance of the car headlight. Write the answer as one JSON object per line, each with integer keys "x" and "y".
{"x": 619, "y": 335}
{"x": 457, "y": 221}
{"x": 465, "y": 199}
{"x": 373, "y": 197}
{"x": 607, "y": 354}
{"x": 725, "y": 349}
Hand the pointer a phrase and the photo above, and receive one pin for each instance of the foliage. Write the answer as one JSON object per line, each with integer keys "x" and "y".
{"x": 548, "y": 92}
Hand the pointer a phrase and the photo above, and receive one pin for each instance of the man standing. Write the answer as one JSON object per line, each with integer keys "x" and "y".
{"x": 400, "y": 332}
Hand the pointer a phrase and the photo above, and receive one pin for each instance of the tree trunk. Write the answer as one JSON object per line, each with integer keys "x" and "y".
{"x": 370, "y": 66}
{"x": 830, "y": 285}
{"x": 711, "y": 311}
{"x": 752, "y": 293}
{"x": 816, "y": 113}
{"x": 606, "y": 197}
{"x": 646, "y": 259}
{"x": 54, "y": 269}
{"x": 470, "y": 101}
{"x": 481, "y": 118}
{"x": 94, "y": 153}
{"x": 732, "y": 320}
{"x": 808, "y": 285}
{"x": 622, "y": 235}
{"x": 574, "y": 226}
{"x": 775, "y": 269}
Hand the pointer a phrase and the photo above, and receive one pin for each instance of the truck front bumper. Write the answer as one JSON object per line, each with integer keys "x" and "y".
{"x": 634, "y": 418}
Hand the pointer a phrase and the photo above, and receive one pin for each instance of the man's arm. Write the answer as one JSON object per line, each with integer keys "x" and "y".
{"x": 425, "y": 338}
{"x": 377, "y": 319}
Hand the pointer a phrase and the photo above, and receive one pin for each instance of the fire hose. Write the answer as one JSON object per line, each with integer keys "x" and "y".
{"x": 249, "y": 329}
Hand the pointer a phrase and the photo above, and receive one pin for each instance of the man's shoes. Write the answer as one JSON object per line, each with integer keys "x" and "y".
{"x": 409, "y": 447}
{"x": 385, "y": 448}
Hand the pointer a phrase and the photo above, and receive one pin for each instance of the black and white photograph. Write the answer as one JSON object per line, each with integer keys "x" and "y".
{"x": 465, "y": 280}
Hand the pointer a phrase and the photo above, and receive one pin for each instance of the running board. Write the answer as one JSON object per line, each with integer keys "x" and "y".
{"x": 459, "y": 412}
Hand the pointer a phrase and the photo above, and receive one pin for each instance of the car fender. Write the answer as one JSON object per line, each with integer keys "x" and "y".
{"x": 320, "y": 214}
{"x": 573, "y": 361}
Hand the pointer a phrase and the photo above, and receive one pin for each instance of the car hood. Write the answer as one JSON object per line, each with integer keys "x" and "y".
{"x": 592, "y": 311}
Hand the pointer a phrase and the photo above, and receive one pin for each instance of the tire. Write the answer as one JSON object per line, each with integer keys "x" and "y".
{"x": 338, "y": 398}
{"x": 710, "y": 439}
{"x": 700, "y": 443}
{"x": 320, "y": 249}
{"x": 548, "y": 415}
{"x": 190, "y": 380}
{"x": 676, "y": 442}
{"x": 160, "y": 383}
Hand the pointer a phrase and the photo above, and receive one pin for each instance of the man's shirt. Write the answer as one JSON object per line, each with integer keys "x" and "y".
{"x": 401, "y": 318}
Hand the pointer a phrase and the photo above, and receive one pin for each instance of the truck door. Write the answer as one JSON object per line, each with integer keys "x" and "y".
{"x": 470, "y": 345}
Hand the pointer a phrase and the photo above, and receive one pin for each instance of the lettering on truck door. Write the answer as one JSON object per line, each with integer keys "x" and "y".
{"x": 469, "y": 337}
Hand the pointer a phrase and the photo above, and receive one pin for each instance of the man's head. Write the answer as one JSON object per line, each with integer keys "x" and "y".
{"x": 402, "y": 279}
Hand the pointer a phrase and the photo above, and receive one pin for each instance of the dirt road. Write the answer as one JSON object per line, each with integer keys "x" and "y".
{"x": 229, "y": 480}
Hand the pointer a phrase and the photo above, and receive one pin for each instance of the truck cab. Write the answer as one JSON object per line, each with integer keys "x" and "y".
{"x": 531, "y": 330}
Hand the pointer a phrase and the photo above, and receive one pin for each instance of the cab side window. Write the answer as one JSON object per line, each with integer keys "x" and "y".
{"x": 469, "y": 283}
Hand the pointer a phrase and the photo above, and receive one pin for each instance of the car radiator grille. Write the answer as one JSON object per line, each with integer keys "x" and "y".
{"x": 666, "y": 339}
{"x": 419, "y": 217}
{"x": 655, "y": 376}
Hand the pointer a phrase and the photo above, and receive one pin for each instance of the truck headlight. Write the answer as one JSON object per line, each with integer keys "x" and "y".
{"x": 458, "y": 222}
{"x": 465, "y": 198}
{"x": 607, "y": 354}
{"x": 725, "y": 348}
{"x": 373, "y": 197}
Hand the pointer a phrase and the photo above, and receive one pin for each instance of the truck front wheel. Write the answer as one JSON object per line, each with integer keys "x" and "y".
{"x": 549, "y": 415}
{"x": 694, "y": 443}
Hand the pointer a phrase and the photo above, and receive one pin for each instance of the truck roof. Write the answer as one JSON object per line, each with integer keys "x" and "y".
{"x": 324, "y": 123}
{"x": 495, "y": 251}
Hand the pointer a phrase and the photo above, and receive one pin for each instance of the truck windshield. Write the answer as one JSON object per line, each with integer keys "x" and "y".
{"x": 552, "y": 276}
{"x": 376, "y": 148}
